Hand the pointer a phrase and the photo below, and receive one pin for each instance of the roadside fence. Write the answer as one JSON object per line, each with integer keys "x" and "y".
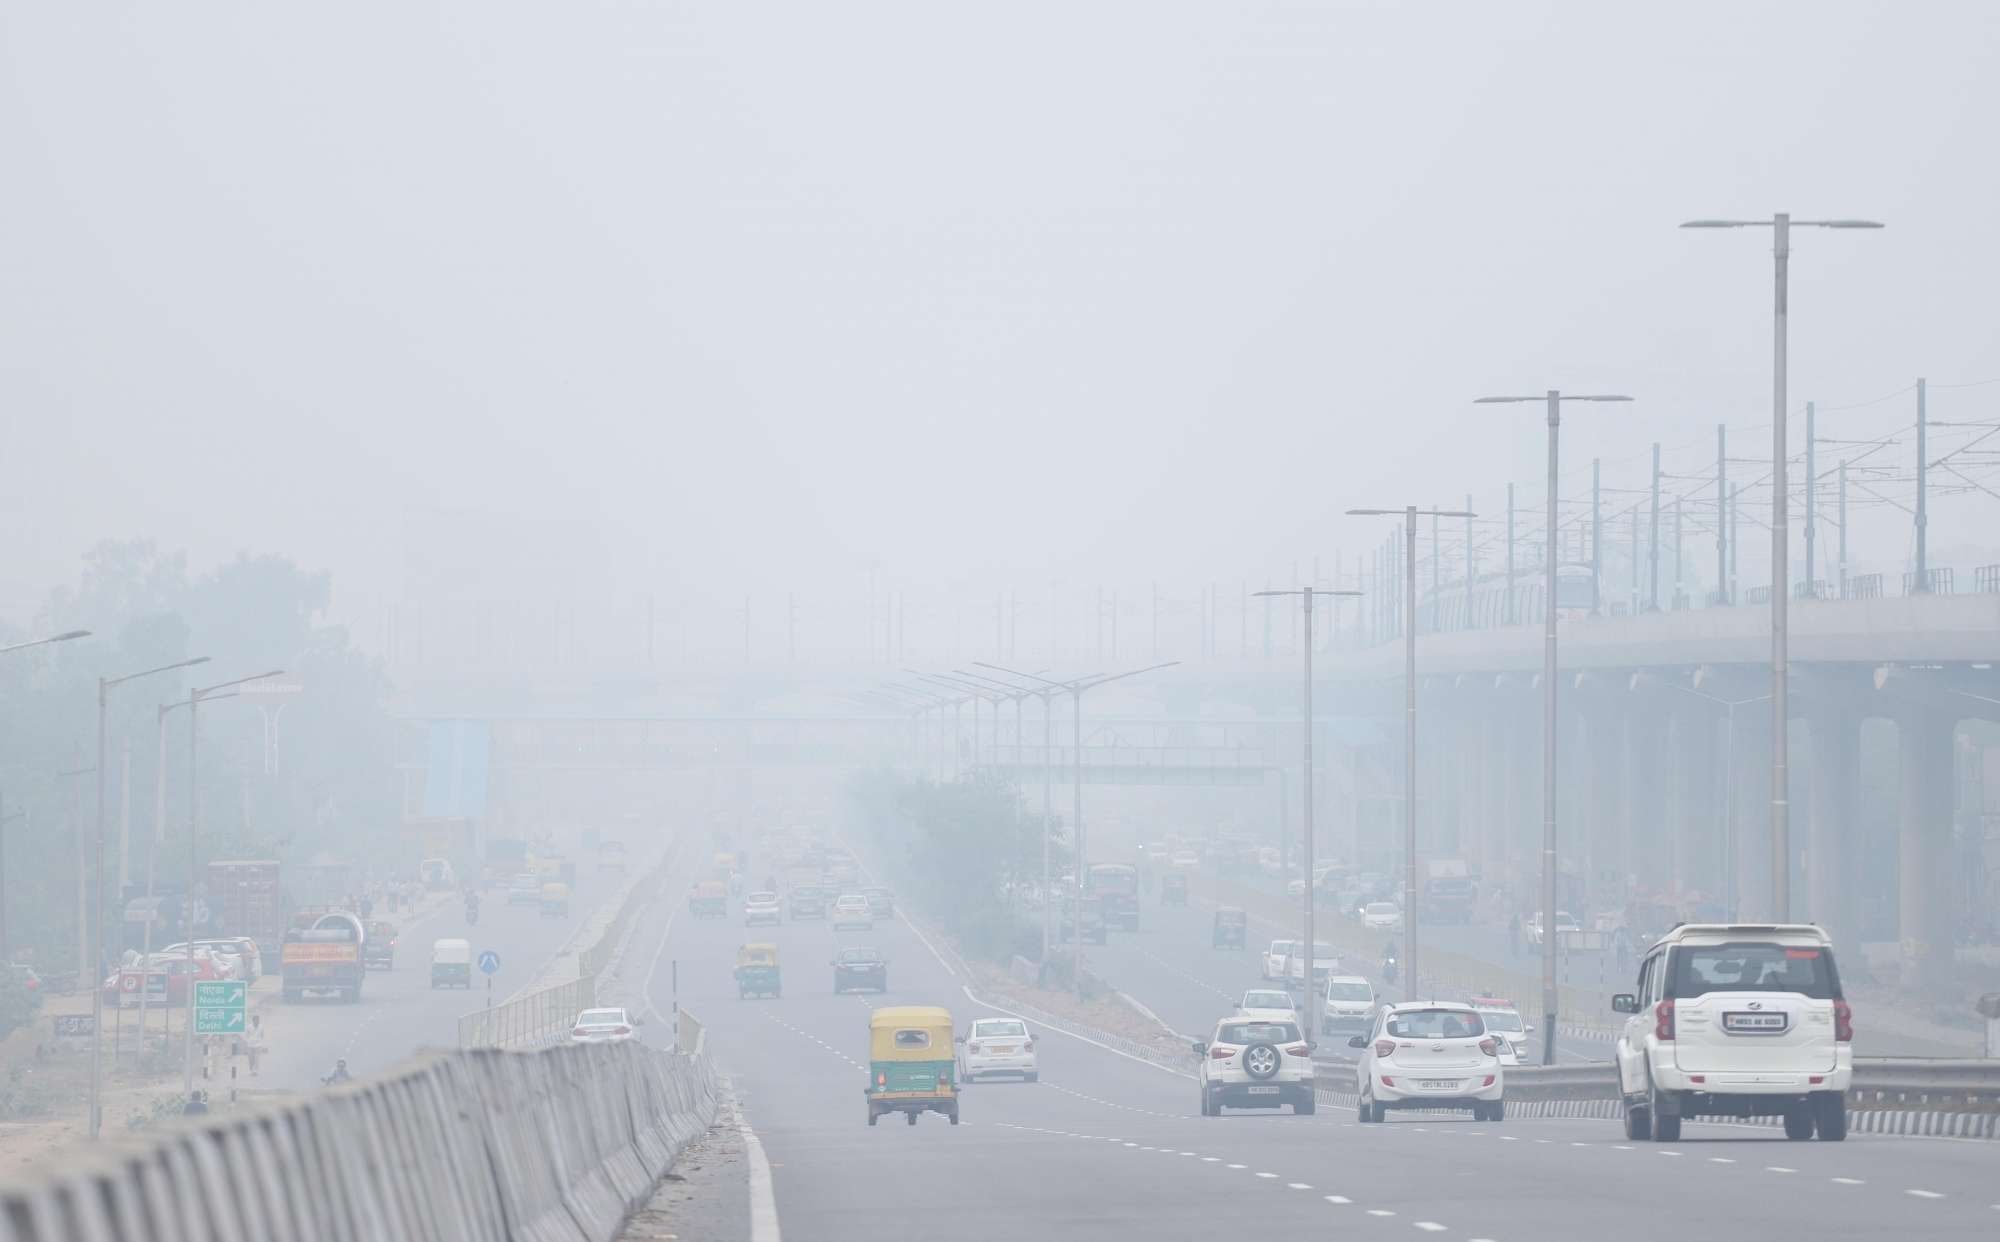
{"x": 464, "y": 1146}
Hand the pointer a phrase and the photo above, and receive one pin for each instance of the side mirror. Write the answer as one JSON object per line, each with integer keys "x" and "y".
{"x": 1200, "y": 1048}
{"x": 1625, "y": 1002}
{"x": 1357, "y": 1041}
{"x": 1527, "y": 1029}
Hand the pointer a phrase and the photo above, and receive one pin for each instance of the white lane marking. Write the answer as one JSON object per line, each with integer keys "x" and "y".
{"x": 1924, "y": 1194}
{"x": 1269, "y": 1175}
{"x": 1187, "y": 1153}
{"x": 1239, "y": 1166}
{"x": 1579, "y": 1144}
{"x": 1297, "y": 1186}
{"x": 1670, "y": 1153}
{"x": 1621, "y": 1147}
{"x": 1211, "y": 1159}
{"x": 1720, "y": 1160}
{"x": 1380, "y": 1212}
{"x": 1848, "y": 1181}
{"x": 1428, "y": 1226}
{"x": 1345, "y": 1199}
{"x": 763, "y": 1204}
{"x": 1778, "y": 1168}
{"x": 1509, "y": 1138}
{"x": 1131, "y": 1144}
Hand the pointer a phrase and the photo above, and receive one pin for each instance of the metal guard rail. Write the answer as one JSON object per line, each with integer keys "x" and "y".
{"x": 1891, "y": 1083}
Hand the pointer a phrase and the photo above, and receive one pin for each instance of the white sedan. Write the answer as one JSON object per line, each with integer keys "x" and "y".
{"x": 602, "y": 1026}
{"x": 1382, "y": 916}
{"x": 1565, "y": 922}
{"x": 997, "y": 1046}
{"x": 853, "y": 911}
{"x": 1268, "y": 1002}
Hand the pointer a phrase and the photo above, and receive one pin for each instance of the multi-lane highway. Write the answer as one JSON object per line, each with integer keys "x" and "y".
{"x": 399, "y": 1012}
{"x": 1109, "y": 1147}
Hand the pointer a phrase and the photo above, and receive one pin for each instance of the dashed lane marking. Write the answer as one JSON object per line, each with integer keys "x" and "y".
{"x": 1428, "y": 1226}
{"x": 1924, "y": 1194}
{"x": 1778, "y": 1168}
{"x": 1338, "y": 1199}
{"x": 1297, "y": 1186}
{"x": 1380, "y": 1212}
{"x": 1847, "y": 1181}
{"x": 1268, "y": 1175}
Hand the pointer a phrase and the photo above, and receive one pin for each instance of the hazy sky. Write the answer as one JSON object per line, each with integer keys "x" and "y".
{"x": 518, "y": 301}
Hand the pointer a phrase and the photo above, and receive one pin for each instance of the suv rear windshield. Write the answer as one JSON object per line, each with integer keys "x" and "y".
{"x": 1257, "y": 1033}
{"x": 1753, "y": 966}
{"x": 1435, "y": 1024}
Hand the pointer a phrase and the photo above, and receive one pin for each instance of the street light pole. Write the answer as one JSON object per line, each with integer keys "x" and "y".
{"x": 65, "y": 636}
{"x": 96, "y": 953}
{"x": 1554, "y": 399}
{"x": 1410, "y": 514}
{"x": 1781, "y": 226}
{"x": 194, "y": 701}
{"x": 1306, "y": 788}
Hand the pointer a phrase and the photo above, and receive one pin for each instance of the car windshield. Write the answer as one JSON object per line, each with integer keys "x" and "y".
{"x": 1256, "y": 1033}
{"x": 1764, "y": 967}
{"x": 763, "y": 898}
{"x": 860, "y": 955}
{"x": 1501, "y": 1020}
{"x": 1282, "y": 946}
{"x": 601, "y": 1017}
{"x": 1339, "y": 991}
{"x": 1381, "y": 907}
{"x": 1435, "y": 1024}
{"x": 1267, "y": 1000}
{"x": 994, "y": 1029}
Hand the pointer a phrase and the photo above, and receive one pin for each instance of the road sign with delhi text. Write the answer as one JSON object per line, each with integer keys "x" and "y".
{"x": 219, "y": 1006}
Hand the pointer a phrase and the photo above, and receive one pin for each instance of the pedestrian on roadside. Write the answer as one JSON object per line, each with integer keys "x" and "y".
{"x": 253, "y": 1043}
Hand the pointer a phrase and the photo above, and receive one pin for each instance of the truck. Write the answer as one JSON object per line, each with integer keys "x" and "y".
{"x": 1449, "y": 892}
{"x": 245, "y": 901}
{"x": 1116, "y": 885}
{"x": 325, "y": 956}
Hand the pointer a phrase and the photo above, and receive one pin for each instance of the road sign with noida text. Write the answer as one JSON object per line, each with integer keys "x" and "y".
{"x": 219, "y": 1006}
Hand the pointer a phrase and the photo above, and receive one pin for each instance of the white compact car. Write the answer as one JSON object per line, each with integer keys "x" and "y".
{"x": 1430, "y": 1054}
{"x": 1348, "y": 1007}
{"x": 997, "y": 1046}
{"x": 1565, "y": 922}
{"x": 1504, "y": 1024}
{"x": 1270, "y": 1003}
{"x": 1382, "y": 916}
{"x": 1736, "y": 1020}
{"x": 601, "y": 1026}
{"x": 853, "y": 912}
{"x": 762, "y": 908}
{"x": 1252, "y": 1062}
{"x": 1275, "y": 958}
{"x": 1326, "y": 964}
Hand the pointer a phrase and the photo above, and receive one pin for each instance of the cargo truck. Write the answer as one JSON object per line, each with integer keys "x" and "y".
{"x": 325, "y": 958}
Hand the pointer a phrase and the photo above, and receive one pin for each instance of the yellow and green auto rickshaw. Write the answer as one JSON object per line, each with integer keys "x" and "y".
{"x": 756, "y": 970}
{"x": 911, "y": 1063}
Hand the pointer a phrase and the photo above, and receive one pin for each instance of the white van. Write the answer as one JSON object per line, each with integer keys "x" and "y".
{"x": 1736, "y": 1020}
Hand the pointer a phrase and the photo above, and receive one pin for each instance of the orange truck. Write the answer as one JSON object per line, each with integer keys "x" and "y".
{"x": 325, "y": 958}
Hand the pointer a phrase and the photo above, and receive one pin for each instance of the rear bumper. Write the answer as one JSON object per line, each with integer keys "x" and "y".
{"x": 1769, "y": 1083}
{"x": 1260, "y": 1095}
{"x": 755, "y": 917}
{"x": 1019, "y": 1063}
{"x": 1466, "y": 1090}
{"x": 846, "y": 982}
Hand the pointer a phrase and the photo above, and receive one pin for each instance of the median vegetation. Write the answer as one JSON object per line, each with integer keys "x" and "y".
{"x": 966, "y": 853}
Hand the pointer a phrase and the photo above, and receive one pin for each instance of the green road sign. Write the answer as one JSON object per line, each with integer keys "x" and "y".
{"x": 219, "y": 1006}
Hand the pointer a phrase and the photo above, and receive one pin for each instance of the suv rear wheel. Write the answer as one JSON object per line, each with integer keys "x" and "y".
{"x": 1638, "y": 1124}
{"x": 1666, "y": 1129}
{"x": 1798, "y": 1123}
{"x": 1830, "y": 1115}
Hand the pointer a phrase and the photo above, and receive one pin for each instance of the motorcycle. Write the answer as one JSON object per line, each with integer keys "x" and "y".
{"x": 1389, "y": 969}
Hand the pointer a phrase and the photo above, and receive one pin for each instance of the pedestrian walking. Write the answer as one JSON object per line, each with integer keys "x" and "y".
{"x": 253, "y": 1043}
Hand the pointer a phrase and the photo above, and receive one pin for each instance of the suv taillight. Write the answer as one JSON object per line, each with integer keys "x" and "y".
{"x": 1663, "y": 1020}
{"x": 1385, "y": 1047}
{"x": 1488, "y": 1047}
{"x": 1843, "y": 1021}
{"x": 579, "y": 1031}
{"x": 621, "y": 1030}
{"x": 1221, "y": 1054}
{"x": 1298, "y": 1050}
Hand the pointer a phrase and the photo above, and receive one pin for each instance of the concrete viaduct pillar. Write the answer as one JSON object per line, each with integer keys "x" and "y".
{"x": 1835, "y": 732}
{"x": 1925, "y": 742}
{"x": 1750, "y": 816}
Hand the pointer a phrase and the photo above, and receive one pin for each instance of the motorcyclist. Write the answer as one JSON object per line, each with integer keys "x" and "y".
{"x": 339, "y": 1073}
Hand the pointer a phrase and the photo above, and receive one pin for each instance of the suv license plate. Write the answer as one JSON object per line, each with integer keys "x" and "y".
{"x": 1756, "y": 1023}
{"x": 1263, "y": 1091}
{"x": 1438, "y": 1084}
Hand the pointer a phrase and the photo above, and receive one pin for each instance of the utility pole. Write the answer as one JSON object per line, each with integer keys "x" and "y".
{"x": 1596, "y": 536}
{"x": 1510, "y": 554}
{"x": 1722, "y": 533}
{"x": 1653, "y": 553}
{"x": 1812, "y": 481}
{"x": 1843, "y": 528}
{"x": 1923, "y": 493}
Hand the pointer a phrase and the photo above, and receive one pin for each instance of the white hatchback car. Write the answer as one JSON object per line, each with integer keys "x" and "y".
{"x": 1253, "y": 1062}
{"x": 997, "y": 1046}
{"x": 1430, "y": 1054}
{"x": 1276, "y": 956}
{"x": 1348, "y": 1007}
{"x": 853, "y": 911}
{"x": 1504, "y": 1024}
{"x": 601, "y": 1026}
{"x": 1382, "y": 916}
{"x": 1737, "y": 1020}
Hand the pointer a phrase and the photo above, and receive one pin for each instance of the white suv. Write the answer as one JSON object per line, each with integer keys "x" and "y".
{"x": 1255, "y": 1062}
{"x": 1736, "y": 1020}
{"x": 1433, "y": 1054}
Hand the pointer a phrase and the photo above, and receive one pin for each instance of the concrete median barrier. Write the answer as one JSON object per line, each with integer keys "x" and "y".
{"x": 556, "y": 1146}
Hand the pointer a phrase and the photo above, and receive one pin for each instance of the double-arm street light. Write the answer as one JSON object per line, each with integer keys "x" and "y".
{"x": 63, "y": 637}
{"x": 1554, "y": 399}
{"x": 194, "y": 702}
{"x": 96, "y": 953}
{"x": 1075, "y": 688}
{"x": 1043, "y": 692}
{"x": 1409, "y": 514}
{"x": 919, "y": 701}
{"x": 1306, "y": 594}
{"x": 1781, "y": 226}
